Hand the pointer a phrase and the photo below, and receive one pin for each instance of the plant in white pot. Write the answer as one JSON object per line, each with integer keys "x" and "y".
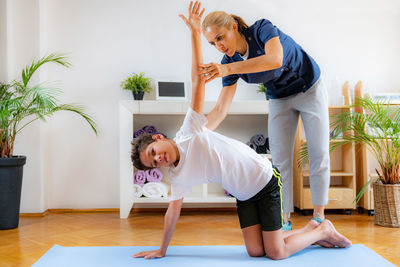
{"x": 138, "y": 84}
{"x": 22, "y": 104}
{"x": 378, "y": 128}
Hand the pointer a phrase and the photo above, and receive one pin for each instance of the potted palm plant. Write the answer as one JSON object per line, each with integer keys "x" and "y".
{"x": 377, "y": 128}
{"x": 138, "y": 84}
{"x": 22, "y": 104}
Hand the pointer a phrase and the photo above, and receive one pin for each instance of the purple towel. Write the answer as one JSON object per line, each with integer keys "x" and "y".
{"x": 150, "y": 129}
{"x": 251, "y": 145}
{"x": 138, "y": 133}
{"x": 153, "y": 175}
{"x": 258, "y": 140}
{"x": 139, "y": 178}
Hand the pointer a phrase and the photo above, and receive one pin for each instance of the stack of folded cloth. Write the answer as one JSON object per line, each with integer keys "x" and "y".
{"x": 259, "y": 143}
{"x": 148, "y": 183}
{"x": 148, "y": 129}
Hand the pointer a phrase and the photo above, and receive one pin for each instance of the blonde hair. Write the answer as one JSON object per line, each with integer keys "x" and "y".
{"x": 223, "y": 19}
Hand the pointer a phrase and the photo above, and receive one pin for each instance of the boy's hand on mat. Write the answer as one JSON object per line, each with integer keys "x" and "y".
{"x": 193, "y": 21}
{"x": 150, "y": 254}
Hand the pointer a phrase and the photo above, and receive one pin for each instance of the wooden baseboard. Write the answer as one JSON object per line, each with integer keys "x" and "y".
{"x": 40, "y": 214}
{"x": 82, "y": 210}
{"x": 133, "y": 211}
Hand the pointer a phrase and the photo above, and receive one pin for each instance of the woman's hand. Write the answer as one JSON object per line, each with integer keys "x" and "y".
{"x": 150, "y": 254}
{"x": 194, "y": 19}
{"x": 211, "y": 71}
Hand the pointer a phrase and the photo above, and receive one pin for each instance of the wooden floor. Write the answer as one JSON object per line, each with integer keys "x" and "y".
{"x": 35, "y": 235}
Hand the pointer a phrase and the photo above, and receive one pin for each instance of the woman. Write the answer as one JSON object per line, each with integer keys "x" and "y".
{"x": 261, "y": 53}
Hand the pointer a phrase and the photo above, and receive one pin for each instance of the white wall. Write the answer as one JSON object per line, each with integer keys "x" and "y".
{"x": 107, "y": 40}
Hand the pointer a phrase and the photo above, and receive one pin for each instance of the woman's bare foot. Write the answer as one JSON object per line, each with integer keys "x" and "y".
{"x": 332, "y": 236}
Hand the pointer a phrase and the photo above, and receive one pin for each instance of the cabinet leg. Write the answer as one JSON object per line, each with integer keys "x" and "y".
{"x": 305, "y": 212}
{"x": 360, "y": 210}
{"x": 347, "y": 212}
{"x": 371, "y": 212}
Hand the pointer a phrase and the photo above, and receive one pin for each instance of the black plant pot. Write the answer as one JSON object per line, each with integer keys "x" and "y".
{"x": 138, "y": 96}
{"x": 10, "y": 191}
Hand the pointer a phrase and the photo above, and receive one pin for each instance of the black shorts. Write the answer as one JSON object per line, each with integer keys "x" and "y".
{"x": 265, "y": 207}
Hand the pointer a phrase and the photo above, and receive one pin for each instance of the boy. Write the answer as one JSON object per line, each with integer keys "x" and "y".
{"x": 198, "y": 155}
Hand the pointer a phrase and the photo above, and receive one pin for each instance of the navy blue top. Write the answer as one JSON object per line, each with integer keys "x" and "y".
{"x": 298, "y": 73}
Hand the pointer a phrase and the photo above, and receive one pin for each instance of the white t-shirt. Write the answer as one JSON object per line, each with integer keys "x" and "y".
{"x": 206, "y": 157}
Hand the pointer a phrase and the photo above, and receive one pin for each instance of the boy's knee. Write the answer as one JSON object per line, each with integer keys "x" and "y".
{"x": 256, "y": 253}
{"x": 277, "y": 254}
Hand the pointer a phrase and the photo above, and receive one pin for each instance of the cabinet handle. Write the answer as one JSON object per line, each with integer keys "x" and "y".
{"x": 333, "y": 199}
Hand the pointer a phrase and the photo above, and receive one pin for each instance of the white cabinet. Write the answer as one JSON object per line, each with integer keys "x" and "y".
{"x": 245, "y": 119}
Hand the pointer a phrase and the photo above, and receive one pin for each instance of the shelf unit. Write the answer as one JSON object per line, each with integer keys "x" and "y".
{"x": 342, "y": 190}
{"x": 168, "y": 116}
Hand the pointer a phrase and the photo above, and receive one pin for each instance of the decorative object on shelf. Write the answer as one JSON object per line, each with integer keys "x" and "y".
{"x": 149, "y": 129}
{"x": 262, "y": 89}
{"x": 138, "y": 84}
{"x": 383, "y": 141}
{"x": 259, "y": 143}
{"x": 140, "y": 178}
{"x": 20, "y": 105}
{"x": 155, "y": 190}
{"x": 153, "y": 175}
{"x": 167, "y": 90}
{"x": 150, "y": 181}
{"x": 137, "y": 190}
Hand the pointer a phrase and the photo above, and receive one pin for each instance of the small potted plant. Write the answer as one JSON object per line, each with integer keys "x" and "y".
{"x": 262, "y": 89}
{"x": 20, "y": 105}
{"x": 138, "y": 84}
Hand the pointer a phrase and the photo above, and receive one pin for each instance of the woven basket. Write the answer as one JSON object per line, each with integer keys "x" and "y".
{"x": 387, "y": 204}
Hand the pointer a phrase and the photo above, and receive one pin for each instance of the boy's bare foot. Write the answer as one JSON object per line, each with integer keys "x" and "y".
{"x": 332, "y": 236}
{"x": 311, "y": 225}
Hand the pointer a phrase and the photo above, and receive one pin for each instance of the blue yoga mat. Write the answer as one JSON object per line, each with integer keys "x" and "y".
{"x": 192, "y": 256}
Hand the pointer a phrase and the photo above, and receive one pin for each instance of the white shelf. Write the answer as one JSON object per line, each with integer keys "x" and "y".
{"x": 130, "y": 115}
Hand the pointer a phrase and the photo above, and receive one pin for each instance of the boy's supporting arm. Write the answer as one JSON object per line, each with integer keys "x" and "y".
{"x": 170, "y": 219}
{"x": 198, "y": 85}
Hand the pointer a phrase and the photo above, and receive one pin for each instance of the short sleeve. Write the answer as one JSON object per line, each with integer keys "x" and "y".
{"x": 266, "y": 31}
{"x": 230, "y": 79}
{"x": 179, "y": 191}
{"x": 192, "y": 124}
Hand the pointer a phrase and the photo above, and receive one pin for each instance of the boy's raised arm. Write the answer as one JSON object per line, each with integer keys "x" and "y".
{"x": 198, "y": 85}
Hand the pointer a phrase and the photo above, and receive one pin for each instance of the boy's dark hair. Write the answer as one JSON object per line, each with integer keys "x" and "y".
{"x": 138, "y": 146}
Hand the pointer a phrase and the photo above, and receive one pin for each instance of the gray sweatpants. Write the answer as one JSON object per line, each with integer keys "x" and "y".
{"x": 282, "y": 125}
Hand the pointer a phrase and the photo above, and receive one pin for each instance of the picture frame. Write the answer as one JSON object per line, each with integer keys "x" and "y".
{"x": 171, "y": 90}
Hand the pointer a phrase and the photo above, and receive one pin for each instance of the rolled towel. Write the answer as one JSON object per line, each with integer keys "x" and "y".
{"x": 150, "y": 129}
{"x": 138, "y": 133}
{"x": 266, "y": 144}
{"x": 137, "y": 190}
{"x": 155, "y": 190}
{"x": 258, "y": 139}
{"x": 139, "y": 178}
{"x": 153, "y": 175}
{"x": 251, "y": 145}
{"x": 261, "y": 149}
